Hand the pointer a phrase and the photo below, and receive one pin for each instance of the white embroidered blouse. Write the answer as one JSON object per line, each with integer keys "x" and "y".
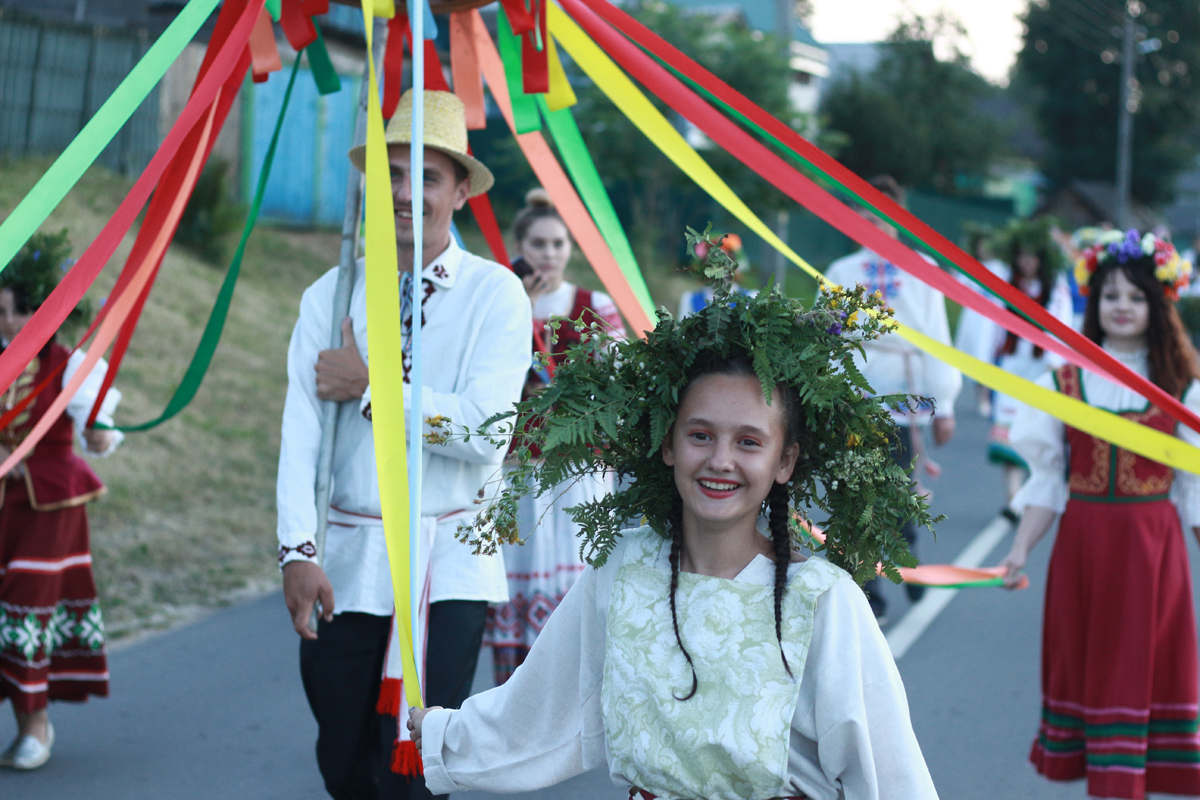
{"x": 849, "y": 736}
{"x": 1038, "y": 437}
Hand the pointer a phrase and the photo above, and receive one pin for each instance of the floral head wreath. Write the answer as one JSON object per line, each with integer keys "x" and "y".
{"x": 1128, "y": 248}
{"x": 38, "y": 267}
{"x": 612, "y": 402}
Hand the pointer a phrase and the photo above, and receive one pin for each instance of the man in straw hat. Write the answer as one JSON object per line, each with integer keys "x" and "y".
{"x": 475, "y": 321}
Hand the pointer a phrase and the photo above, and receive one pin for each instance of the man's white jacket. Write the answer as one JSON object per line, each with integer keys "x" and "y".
{"x": 477, "y": 348}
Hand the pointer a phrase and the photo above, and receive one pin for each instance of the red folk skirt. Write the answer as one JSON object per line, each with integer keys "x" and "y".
{"x": 51, "y": 631}
{"x": 1119, "y": 654}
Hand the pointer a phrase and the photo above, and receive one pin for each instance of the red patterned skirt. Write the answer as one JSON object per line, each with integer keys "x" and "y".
{"x": 51, "y": 631}
{"x": 1119, "y": 654}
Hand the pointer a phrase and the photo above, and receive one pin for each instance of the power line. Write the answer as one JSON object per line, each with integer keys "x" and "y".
{"x": 1101, "y": 37}
{"x": 1091, "y": 15}
{"x": 1074, "y": 36}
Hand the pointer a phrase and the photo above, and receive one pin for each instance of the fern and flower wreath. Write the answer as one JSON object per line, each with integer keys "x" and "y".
{"x": 612, "y": 402}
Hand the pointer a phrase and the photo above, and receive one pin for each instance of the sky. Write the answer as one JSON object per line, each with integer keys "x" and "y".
{"x": 993, "y": 32}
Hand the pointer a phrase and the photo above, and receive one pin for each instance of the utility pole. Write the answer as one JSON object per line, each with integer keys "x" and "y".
{"x": 1129, "y": 104}
{"x": 783, "y": 30}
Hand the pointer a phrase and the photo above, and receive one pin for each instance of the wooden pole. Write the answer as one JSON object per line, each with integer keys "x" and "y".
{"x": 347, "y": 266}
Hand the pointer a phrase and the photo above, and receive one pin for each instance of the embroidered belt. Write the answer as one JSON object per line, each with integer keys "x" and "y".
{"x": 352, "y": 519}
{"x": 635, "y": 792}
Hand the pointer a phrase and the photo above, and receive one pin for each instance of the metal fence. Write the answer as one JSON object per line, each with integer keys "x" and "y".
{"x": 53, "y": 78}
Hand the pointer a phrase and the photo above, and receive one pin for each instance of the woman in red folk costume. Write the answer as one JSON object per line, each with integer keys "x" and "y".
{"x": 1119, "y": 651}
{"x": 51, "y": 631}
{"x": 541, "y": 570}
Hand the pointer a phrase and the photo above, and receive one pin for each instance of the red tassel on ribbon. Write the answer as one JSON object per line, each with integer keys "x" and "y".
{"x": 263, "y": 52}
{"x": 406, "y": 760}
{"x": 535, "y": 62}
{"x": 393, "y": 63}
{"x": 389, "y": 698}
{"x": 464, "y": 69}
{"x": 297, "y": 26}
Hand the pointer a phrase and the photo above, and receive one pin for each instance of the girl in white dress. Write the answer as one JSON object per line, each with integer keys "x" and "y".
{"x": 547, "y": 563}
{"x": 705, "y": 658}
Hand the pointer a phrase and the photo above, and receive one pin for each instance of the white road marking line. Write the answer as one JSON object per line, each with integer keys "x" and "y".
{"x": 910, "y": 627}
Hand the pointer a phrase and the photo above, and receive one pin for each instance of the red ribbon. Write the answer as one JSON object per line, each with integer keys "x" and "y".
{"x": 297, "y": 25}
{"x": 158, "y": 216}
{"x": 262, "y": 48}
{"x": 393, "y": 62}
{"x": 50, "y": 316}
{"x": 535, "y": 63}
{"x": 1086, "y": 353}
{"x": 519, "y": 17}
{"x": 464, "y": 69}
{"x": 315, "y": 7}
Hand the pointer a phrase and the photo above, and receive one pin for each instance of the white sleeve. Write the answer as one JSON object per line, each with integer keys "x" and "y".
{"x": 1038, "y": 438}
{"x": 495, "y": 366}
{"x": 80, "y": 406}
{"x": 1185, "y": 491}
{"x": 944, "y": 382}
{"x": 300, "y": 439}
{"x": 865, "y": 740}
{"x": 545, "y": 724}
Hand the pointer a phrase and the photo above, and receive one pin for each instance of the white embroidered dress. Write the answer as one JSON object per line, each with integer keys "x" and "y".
{"x": 598, "y": 687}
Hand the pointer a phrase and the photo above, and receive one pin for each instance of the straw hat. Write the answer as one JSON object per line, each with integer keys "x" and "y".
{"x": 445, "y": 131}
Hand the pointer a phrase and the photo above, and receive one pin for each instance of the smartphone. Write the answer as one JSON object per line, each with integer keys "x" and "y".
{"x": 521, "y": 268}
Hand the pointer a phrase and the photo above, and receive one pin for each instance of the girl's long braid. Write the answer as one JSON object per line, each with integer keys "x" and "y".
{"x": 676, "y": 546}
{"x": 781, "y": 538}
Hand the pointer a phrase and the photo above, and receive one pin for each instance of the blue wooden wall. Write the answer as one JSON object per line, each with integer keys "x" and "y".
{"x": 308, "y": 181}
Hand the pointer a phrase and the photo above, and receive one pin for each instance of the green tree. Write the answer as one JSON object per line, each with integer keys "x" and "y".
{"x": 657, "y": 198}
{"x": 1069, "y": 68}
{"x": 916, "y": 116}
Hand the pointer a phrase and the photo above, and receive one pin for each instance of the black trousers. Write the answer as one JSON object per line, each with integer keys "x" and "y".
{"x": 341, "y": 672}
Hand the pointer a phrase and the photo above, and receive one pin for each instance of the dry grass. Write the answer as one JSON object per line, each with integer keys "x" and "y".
{"x": 189, "y": 519}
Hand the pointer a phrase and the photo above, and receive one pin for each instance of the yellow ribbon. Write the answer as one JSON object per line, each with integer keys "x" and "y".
{"x": 561, "y": 95}
{"x": 623, "y": 93}
{"x": 385, "y": 357}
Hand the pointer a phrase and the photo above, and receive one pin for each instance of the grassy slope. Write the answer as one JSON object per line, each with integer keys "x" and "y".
{"x": 189, "y": 519}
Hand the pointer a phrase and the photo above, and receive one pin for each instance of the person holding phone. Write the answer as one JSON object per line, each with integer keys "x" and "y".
{"x": 541, "y": 570}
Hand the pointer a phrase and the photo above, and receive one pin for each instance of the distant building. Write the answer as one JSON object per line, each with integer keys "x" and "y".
{"x": 809, "y": 59}
{"x": 1084, "y": 203}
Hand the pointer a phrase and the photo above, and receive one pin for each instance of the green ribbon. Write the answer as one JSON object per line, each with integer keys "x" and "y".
{"x": 582, "y": 168}
{"x": 835, "y": 187}
{"x": 324, "y": 75}
{"x": 67, "y": 169}
{"x": 275, "y": 8}
{"x": 216, "y": 321}
{"x": 524, "y": 106}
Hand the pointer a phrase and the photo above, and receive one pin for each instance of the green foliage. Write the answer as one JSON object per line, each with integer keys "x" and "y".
{"x": 612, "y": 402}
{"x": 1069, "y": 67}
{"x": 915, "y": 116}
{"x": 210, "y": 216}
{"x": 34, "y": 272}
{"x": 660, "y": 198}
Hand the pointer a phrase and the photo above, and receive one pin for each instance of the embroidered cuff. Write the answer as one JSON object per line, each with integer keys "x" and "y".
{"x": 305, "y": 551}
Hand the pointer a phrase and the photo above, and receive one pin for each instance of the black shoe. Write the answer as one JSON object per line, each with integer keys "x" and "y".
{"x": 915, "y": 591}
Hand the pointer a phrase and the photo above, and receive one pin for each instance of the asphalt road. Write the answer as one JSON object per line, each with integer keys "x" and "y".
{"x": 215, "y": 709}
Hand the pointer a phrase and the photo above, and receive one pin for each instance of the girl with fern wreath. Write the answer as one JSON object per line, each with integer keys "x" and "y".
{"x": 703, "y": 659}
